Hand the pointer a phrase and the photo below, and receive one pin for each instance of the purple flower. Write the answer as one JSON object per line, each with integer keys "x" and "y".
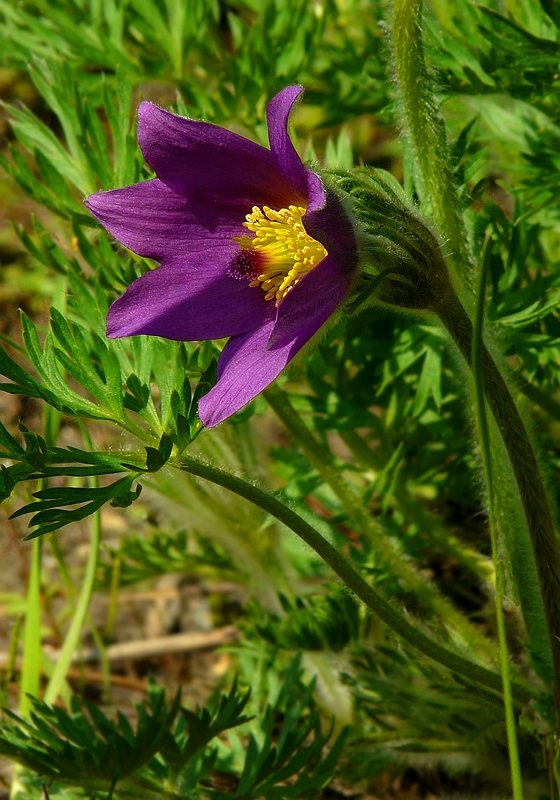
{"x": 251, "y": 246}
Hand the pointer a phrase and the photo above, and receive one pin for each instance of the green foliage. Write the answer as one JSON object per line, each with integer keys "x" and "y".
{"x": 48, "y": 516}
{"x": 490, "y": 52}
{"x": 225, "y": 61}
{"x": 416, "y": 711}
{"x": 69, "y": 747}
{"x": 318, "y": 622}
{"x": 164, "y": 553}
{"x": 174, "y": 752}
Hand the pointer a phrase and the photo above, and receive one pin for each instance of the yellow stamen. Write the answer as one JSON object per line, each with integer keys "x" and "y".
{"x": 289, "y": 251}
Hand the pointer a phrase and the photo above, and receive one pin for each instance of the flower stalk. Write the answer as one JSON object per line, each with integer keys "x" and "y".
{"x": 530, "y": 484}
{"x": 31, "y": 667}
{"x": 486, "y": 453}
{"x": 72, "y": 639}
{"x": 321, "y": 461}
{"x": 426, "y": 128}
{"x": 30, "y": 680}
{"x": 485, "y": 678}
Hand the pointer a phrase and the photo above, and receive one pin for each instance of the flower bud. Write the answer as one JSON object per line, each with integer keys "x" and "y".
{"x": 401, "y": 261}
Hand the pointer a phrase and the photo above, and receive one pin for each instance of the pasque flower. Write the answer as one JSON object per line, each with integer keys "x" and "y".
{"x": 251, "y": 247}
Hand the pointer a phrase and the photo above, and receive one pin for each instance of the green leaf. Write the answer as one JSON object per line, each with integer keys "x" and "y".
{"x": 49, "y": 516}
{"x": 8, "y": 443}
{"x": 430, "y": 379}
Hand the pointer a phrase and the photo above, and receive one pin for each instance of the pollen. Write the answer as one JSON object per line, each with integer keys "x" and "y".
{"x": 279, "y": 253}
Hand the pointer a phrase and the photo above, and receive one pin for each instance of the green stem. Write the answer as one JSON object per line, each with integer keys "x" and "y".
{"x": 322, "y": 461}
{"x": 78, "y": 618}
{"x": 524, "y": 464}
{"x": 396, "y": 621}
{"x": 485, "y": 449}
{"x": 32, "y": 655}
{"x": 71, "y": 596}
{"x": 61, "y": 564}
{"x": 426, "y": 128}
{"x": 58, "y": 677}
{"x": 64, "y": 660}
{"x": 31, "y": 666}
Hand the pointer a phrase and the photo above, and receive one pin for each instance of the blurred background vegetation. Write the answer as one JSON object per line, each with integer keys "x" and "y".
{"x": 384, "y": 396}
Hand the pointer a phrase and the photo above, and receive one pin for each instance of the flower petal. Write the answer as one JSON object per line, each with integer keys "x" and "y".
{"x": 154, "y": 222}
{"x": 246, "y": 367}
{"x": 207, "y": 163}
{"x": 332, "y": 226}
{"x": 310, "y": 303}
{"x": 306, "y": 183}
{"x": 285, "y": 155}
{"x": 189, "y": 300}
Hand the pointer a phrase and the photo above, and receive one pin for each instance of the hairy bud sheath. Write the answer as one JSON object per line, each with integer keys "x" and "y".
{"x": 401, "y": 259}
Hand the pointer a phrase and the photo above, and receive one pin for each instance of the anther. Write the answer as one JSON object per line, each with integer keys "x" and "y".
{"x": 279, "y": 253}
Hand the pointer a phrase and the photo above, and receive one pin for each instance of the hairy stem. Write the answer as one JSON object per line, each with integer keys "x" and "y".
{"x": 396, "y": 621}
{"x": 486, "y": 453}
{"x": 321, "y": 460}
{"x": 426, "y": 128}
{"x": 530, "y": 484}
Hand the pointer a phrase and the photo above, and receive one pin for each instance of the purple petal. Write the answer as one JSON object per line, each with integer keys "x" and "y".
{"x": 310, "y": 303}
{"x": 210, "y": 164}
{"x": 316, "y": 192}
{"x": 306, "y": 183}
{"x": 247, "y": 366}
{"x": 154, "y": 222}
{"x": 287, "y": 159}
{"x": 189, "y": 300}
{"x": 332, "y": 226}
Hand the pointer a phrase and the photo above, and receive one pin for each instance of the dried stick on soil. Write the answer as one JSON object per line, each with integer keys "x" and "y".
{"x": 150, "y": 648}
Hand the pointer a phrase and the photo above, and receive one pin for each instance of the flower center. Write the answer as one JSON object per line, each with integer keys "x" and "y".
{"x": 279, "y": 254}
